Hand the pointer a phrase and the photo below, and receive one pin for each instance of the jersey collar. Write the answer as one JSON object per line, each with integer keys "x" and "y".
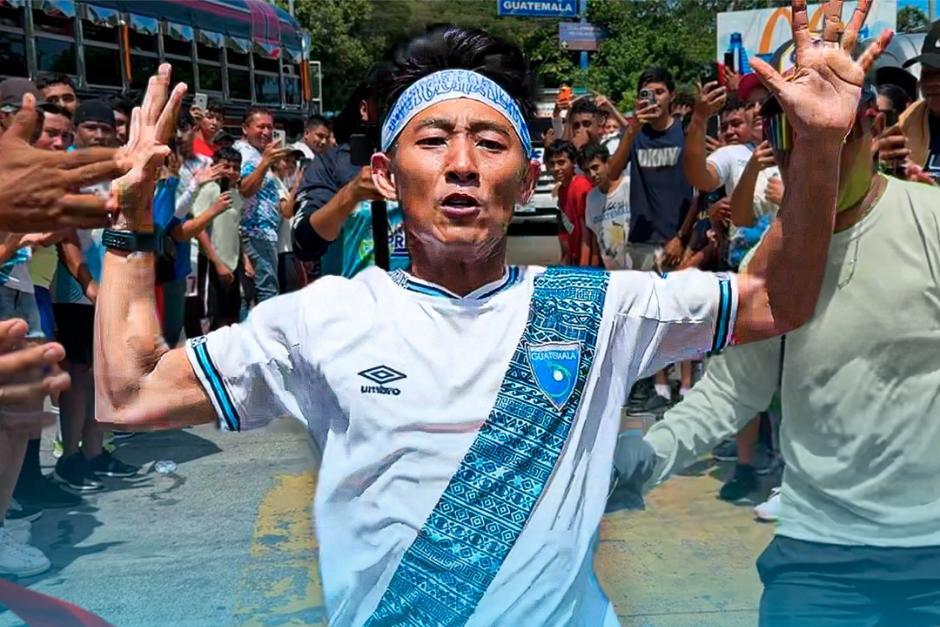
{"x": 411, "y": 283}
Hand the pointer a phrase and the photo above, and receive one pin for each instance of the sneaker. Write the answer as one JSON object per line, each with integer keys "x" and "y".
{"x": 19, "y": 529}
{"x": 656, "y": 403}
{"x": 769, "y": 510}
{"x": 75, "y": 472}
{"x": 108, "y": 465}
{"x": 726, "y": 451}
{"x": 764, "y": 461}
{"x": 120, "y": 436}
{"x": 43, "y": 492}
{"x": 19, "y": 559}
{"x": 21, "y": 511}
{"x": 741, "y": 484}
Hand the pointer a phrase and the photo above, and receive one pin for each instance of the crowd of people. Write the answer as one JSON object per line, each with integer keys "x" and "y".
{"x": 223, "y": 207}
{"x": 716, "y": 217}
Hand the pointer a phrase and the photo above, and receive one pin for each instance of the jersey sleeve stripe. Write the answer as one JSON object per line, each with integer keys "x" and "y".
{"x": 216, "y": 387}
{"x": 723, "y": 319}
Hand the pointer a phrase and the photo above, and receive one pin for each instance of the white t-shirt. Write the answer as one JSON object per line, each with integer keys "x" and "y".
{"x": 730, "y": 161}
{"x": 394, "y": 378}
{"x": 608, "y": 217}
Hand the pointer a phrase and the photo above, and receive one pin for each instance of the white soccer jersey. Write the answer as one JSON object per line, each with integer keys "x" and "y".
{"x": 475, "y": 421}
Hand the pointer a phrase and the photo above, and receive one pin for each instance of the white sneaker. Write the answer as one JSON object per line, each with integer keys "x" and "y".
{"x": 769, "y": 510}
{"x": 19, "y": 529}
{"x": 18, "y": 559}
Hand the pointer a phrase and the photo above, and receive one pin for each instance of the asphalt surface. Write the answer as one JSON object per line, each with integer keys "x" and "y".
{"x": 227, "y": 539}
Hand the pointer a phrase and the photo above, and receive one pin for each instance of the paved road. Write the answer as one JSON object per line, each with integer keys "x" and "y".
{"x": 227, "y": 539}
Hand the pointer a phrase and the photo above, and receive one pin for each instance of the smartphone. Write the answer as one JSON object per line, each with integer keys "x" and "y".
{"x": 200, "y": 101}
{"x": 224, "y": 185}
{"x": 710, "y": 74}
{"x": 281, "y": 137}
{"x": 729, "y": 61}
{"x": 894, "y": 167}
{"x": 647, "y": 97}
{"x": 712, "y": 128}
{"x": 891, "y": 118}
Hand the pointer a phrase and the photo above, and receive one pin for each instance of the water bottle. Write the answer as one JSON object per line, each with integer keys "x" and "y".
{"x": 741, "y": 65}
{"x": 165, "y": 467}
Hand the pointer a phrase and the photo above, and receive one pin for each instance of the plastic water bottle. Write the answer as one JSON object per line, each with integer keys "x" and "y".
{"x": 165, "y": 466}
{"x": 740, "y": 54}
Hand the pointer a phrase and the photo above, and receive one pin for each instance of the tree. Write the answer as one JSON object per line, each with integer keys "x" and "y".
{"x": 912, "y": 20}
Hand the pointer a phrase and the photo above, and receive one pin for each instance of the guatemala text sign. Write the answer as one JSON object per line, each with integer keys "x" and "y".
{"x": 580, "y": 35}
{"x": 538, "y": 8}
{"x": 767, "y": 32}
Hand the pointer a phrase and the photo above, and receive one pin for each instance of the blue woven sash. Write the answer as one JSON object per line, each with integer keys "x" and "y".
{"x": 462, "y": 545}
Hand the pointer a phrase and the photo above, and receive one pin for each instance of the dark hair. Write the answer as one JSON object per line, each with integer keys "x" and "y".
{"x": 215, "y": 106}
{"x": 227, "y": 154}
{"x": 593, "y": 151}
{"x": 897, "y": 96}
{"x": 732, "y": 104}
{"x": 452, "y": 47}
{"x": 185, "y": 121}
{"x": 656, "y": 75}
{"x": 584, "y": 106}
{"x": 563, "y": 146}
{"x": 48, "y": 80}
{"x": 52, "y": 108}
{"x": 122, "y": 104}
{"x": 314, "y": 121}
{"x": 253, "y": 111}
{"x": 349, "y": 120}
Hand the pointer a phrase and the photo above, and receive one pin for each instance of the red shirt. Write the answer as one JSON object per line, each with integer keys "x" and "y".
{"x": 572, "y": 201}
{"x": 202, "y": 147}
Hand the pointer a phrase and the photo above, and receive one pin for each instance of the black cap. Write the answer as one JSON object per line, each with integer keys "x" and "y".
{"x": 930, "y": 51}
{"x": 12, "y": 91}
{"x": 94, "y": 111}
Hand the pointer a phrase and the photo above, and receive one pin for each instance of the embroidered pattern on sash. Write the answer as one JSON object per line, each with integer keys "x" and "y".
{"x": 463, "y": 543}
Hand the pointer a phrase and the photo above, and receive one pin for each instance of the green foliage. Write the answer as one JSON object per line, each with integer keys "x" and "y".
{"x": 912, "y": 20}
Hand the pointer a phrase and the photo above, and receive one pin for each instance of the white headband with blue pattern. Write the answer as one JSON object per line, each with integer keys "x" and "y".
{"x": 450, "y": 85}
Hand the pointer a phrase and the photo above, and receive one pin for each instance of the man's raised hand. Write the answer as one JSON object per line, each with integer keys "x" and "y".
{"x": 821, "y": 96}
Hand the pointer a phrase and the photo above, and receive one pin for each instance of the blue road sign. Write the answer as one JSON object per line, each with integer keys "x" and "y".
{"x": 538, "y": 8}
{"x": 580, "y": 35}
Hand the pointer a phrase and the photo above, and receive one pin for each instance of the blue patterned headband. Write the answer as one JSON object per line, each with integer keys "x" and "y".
{"x": 449, "y": 85}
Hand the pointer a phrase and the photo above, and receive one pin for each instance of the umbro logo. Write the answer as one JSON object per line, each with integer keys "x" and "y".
{"x": 381, "y": 375}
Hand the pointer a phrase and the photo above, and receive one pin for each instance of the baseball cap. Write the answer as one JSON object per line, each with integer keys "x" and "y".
{"x": 930, "y": 51}
{"x": 12, "y": 91}
{"x": 94, "y": 111}
{"x": 747, "y": 84}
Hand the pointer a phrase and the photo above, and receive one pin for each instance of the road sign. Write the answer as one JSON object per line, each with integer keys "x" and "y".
{"x": 538, "y": 8}
{"x": 580, "y": 35}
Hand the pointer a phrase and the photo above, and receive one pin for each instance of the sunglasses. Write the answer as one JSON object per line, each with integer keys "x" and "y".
{"x": 579, "y": 125}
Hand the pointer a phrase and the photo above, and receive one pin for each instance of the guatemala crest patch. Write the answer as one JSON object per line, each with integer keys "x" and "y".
{"x": 555, "y": 368}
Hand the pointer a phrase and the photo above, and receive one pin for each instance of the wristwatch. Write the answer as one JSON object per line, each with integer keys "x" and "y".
{"x": 132, "y": 241}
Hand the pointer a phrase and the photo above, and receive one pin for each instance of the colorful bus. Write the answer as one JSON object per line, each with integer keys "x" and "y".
{"x": 242, "y": 52}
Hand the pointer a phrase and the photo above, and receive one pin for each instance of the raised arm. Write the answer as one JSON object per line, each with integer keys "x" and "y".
{"x": 742, "y": 200}
{"x": 139, "y": 382}
{"x": 820, "y": 101}
{"x": 701, "y": 174}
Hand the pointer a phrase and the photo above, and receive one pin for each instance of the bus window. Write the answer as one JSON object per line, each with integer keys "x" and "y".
{"x": 267, "y": 80}
{"x": 210, "y": 77}
{"x": 292, "y": 95}
{"x": 12, "y": 43}
{"x": 55, "y": 42}
{"x": 210, "y": 65}
{"x": 239, "y": 84}
{"x": 102, "y": 54}
{"x": 178, "y": 51}
{"x": 143, "y": 42}
{"x": 143, "y": 68}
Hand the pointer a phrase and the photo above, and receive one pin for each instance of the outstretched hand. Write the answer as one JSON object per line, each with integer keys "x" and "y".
{"x": 151, "y": 127}
{"x": 821, "y": 96}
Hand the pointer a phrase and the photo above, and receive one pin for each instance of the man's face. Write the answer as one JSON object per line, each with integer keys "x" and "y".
{"x": 209, "y": 124}
{"x": 611, "y": 126}
{"x": 662, "y": 96}
{"x": 229, "y": 170}
{"x": 94, "y": 134}
{"x": 597, "y": 170}
{"x": 120, "y": 128}
{"x": 184, "y": 141}
{"x": 458, "y": 171}
{"x": 62, "y": 95}
{"x": 585, "y": 128}
{"x": 56, "y": 133}
{"x": 736, "y": 127}
{"x": 753, "y": 102}
{"x": 259, "y": 130}
{"x": 317, "y": 139}
{"x": 562, "y": 168}
{"x": 930, "y": 87}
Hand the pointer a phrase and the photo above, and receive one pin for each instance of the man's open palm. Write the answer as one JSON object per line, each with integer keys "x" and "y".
{"x": 821, "y": 96}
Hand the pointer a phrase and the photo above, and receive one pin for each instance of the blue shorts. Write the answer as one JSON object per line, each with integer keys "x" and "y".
{"x": 17, "y": 304}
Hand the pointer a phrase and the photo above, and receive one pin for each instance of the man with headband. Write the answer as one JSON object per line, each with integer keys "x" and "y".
{"x": 466, "y": 411}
